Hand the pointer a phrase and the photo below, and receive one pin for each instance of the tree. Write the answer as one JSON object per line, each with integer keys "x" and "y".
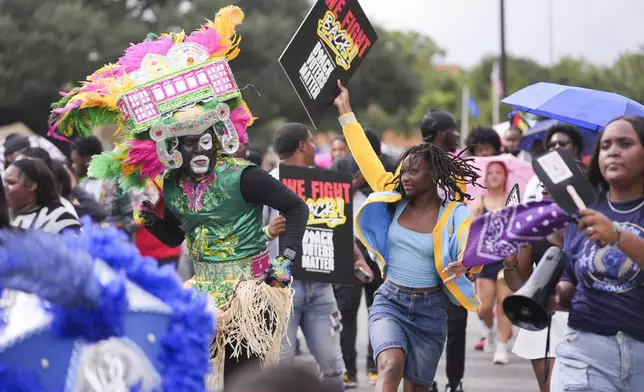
{"x": 624, "y": 77}
{"x": 52, "y": 43}
{"x": 628, "y": 71}
{"x": 49, "y": 43}
{"x": 398, "y": 83}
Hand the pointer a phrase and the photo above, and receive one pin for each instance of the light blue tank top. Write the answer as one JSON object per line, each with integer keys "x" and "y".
{"x": 411, "y": 255}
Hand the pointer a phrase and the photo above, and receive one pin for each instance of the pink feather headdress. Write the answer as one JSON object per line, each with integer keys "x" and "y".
{"x": 146, "y": 86}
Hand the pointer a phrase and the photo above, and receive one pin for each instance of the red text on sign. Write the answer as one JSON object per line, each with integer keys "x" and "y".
{"x": 297, "y": 186}
{"x": 322, "y": 189}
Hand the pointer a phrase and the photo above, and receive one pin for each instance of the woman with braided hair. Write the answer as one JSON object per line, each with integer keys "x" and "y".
{"x": 416, "y": 229}
{"x": 448, "y": 171}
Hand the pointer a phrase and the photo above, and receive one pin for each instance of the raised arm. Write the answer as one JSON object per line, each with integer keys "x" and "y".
{"x": 370, "y": 165}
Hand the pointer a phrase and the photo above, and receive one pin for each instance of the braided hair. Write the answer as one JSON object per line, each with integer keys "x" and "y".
{"x": 447, "y": 170}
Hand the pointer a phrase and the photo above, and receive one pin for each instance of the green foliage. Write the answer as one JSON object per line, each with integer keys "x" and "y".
{"x": 624, "y": 77}
{"x": 48, "y": 44}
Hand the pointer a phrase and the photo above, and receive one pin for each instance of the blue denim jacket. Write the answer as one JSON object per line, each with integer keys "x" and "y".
{"x": 450, "y": 238}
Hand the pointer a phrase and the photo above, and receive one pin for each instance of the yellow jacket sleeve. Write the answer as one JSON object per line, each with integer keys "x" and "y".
{"x": 370, "y": 166}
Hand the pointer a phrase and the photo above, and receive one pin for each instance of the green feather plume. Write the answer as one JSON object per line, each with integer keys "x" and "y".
{"x": 133, "y": 181}
{"x": 106, "y": 166}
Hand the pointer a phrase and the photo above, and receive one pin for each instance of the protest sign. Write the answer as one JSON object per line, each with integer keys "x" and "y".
{"x": 330, "y": 44}
{"x": 514, "y": 197}
{"x": 327, "y": 245}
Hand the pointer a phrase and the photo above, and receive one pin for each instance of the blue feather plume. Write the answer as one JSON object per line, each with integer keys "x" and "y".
{"x": 82, "y": 307}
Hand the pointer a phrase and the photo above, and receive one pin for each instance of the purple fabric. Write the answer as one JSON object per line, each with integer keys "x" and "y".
{"x": 499, "y": 234}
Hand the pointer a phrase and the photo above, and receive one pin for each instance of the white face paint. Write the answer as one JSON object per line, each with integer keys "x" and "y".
{"x": 205, "y": 142}
{"x": 199, "y": 164}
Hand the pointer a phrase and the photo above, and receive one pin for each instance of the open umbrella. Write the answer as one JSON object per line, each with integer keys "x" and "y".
{"x": 536, "y": 132}
{"x": 586, "y": 108}
{"x": 519, "y": 172}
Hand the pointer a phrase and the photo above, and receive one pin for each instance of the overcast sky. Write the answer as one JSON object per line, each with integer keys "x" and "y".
{"x": 598, "y": 30}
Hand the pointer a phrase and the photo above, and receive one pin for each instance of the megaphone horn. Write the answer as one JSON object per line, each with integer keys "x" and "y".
{"x": 528, "y": 307}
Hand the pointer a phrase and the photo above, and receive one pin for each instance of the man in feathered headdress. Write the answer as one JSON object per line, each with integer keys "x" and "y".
{"x": 183, "y": 116}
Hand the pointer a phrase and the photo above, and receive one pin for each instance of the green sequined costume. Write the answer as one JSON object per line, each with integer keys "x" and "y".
{"x": 228, "y": 248}
{"x": 223, "y": 232}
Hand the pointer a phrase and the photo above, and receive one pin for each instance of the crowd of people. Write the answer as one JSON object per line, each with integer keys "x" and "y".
{"x": 410, "y": 318}
{"x": 189, "y": 192}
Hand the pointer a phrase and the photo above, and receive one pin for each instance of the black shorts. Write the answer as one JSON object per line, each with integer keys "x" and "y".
{"x": 490, "y": 271}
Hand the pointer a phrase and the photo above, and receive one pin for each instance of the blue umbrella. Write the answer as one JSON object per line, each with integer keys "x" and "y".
{"x": 537, "y": 132}
{"x": 586, "y": 108}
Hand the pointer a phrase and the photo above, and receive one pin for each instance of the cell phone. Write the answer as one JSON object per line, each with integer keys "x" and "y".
{"x": 363, "y": 275}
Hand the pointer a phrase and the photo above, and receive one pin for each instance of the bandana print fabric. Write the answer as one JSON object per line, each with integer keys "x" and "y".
{"x": 499, "y": 234}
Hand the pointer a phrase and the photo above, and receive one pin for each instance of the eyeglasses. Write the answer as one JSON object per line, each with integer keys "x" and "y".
{"x": 559, "y": 143}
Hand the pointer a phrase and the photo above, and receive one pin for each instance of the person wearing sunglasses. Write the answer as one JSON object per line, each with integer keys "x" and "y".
{"x": 564, "y": 136}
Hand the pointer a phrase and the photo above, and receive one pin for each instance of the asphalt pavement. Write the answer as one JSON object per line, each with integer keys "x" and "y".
{"x": 481, "y": 375}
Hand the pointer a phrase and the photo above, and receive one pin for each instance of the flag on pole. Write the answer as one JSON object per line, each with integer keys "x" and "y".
{"x": 473, "y": 107}
{"x": 519, "y": 121}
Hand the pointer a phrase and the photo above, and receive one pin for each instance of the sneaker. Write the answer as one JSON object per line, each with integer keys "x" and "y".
{"x": 480, "y": 345}
{"x": 373, "y": 377}
{"x": 501, "y": 354}
{"x": 350, "y": 382}
{"x": 489, "y": 342}
{"x": 458, "y": 388}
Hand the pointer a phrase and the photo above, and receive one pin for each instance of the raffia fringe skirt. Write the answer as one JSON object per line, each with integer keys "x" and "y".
{"x": 253, "y": 324}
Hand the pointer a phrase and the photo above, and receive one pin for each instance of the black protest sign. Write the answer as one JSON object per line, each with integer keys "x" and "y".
{"x": 563, "y": 178}
{"x": 330, "y": 44}
{"x": 327, "y": 246}
{"x": 514, "y": 198}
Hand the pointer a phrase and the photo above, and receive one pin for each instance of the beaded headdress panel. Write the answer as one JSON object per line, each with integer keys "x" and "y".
{"x": 161, "y": 89}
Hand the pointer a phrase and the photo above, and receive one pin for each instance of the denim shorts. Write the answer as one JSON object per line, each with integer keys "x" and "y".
{"x": 589, "y": 362}
{"x": 414, "y": 321}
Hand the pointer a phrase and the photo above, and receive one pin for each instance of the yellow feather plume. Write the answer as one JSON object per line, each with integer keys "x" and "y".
{"x": 108, "y": 96}
{"x": 159, "y": 182}
{"x": 127, "y": 169}
{"x": 122, "y": 155}
{"x": 177, "y": 38}
{"x": 252, "y": 118}
{"x": 99, "y": 73}
{"x": 225, "y": 22}
{"x": 227, "y": 19}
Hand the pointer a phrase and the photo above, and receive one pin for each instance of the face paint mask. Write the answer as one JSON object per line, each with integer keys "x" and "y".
{"x": 198, "y": 153}
{"x": 200, "y": 163}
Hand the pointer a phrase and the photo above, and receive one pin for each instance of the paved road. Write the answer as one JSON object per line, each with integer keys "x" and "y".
{"x": 480, "y": 374}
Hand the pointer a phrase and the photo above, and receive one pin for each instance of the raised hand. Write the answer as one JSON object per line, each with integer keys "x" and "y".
{"x": 342, "y": 100}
